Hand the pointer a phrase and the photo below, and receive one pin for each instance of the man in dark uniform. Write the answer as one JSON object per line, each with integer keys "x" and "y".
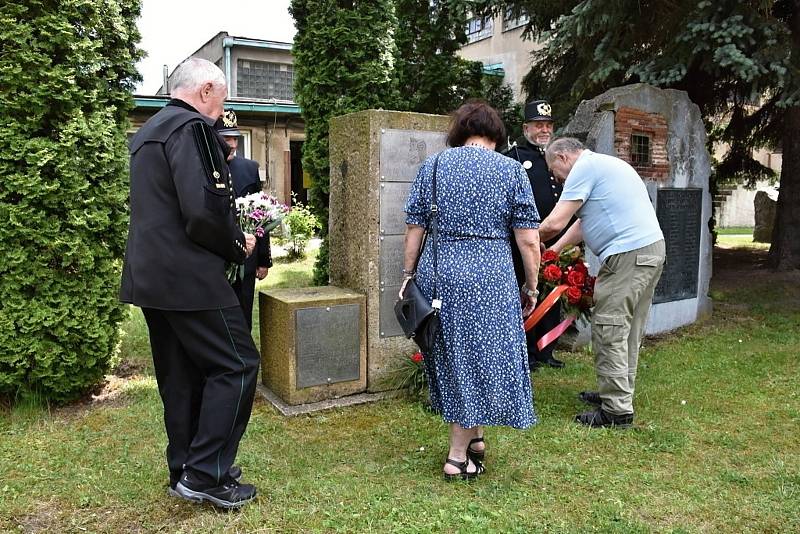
{"x": 245, "y": 179}
{"x": 183, "y": 233}
{"x": 529, "y": 150}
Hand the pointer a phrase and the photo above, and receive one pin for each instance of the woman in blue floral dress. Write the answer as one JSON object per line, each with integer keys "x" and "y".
{"x": 477, "y": 370}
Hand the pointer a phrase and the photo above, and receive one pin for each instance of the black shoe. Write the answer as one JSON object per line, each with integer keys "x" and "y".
{"x": 601, "y": 418}
{"x": 463, "y": 473}
{"x": 590, "y": 397}
{"x": 231, "y": 494}
{"x": 550, "y": 362}
{"x": 235, "y": 472}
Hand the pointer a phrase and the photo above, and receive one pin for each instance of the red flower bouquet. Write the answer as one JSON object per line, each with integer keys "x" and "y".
{"x": 409, "y": 374}
{"x": 565, "y": 278}
{"x": 568, "y": 269}
{"x": 551, "y": 274}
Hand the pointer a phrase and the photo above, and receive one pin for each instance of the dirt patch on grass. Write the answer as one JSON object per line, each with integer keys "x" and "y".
{"x": 42, "y": 520}
{"x": 127, "y": 368}
{"x": 737, "y": 269}
{"x": 734, "y": 267}
{"x": 109, "y": 394}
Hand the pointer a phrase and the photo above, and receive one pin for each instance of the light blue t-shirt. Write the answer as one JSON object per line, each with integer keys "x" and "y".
{"x": 616, "y": 214}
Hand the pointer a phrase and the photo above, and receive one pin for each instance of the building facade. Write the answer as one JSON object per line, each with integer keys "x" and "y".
{"x": 497, "y": 43}
{"x": 260, "y": 76}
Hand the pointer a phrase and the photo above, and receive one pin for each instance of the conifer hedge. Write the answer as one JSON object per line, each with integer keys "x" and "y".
{"x": 67, "y": 68}
{"x": 343, "y": 56}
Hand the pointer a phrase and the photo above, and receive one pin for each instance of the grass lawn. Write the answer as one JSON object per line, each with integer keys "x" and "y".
{"x": 740, "y": 241}
{"x": 715, "y": 446}
{"x": 735, "y": 230}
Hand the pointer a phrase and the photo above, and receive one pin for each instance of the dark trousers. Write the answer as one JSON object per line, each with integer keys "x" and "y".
{"x": 245, "y": 289}
{"x": 206, "y": 367}
{"x": 547, "y": 323}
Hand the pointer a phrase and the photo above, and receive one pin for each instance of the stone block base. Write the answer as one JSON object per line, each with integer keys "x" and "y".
{"x": 313, "y": 343}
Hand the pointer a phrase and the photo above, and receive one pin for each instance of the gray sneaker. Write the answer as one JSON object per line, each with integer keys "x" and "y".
{"x": 235, "y": 472}
{"x": 229, "y": 495}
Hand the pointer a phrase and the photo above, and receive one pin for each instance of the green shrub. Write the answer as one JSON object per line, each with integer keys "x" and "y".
{"x": 301, "y": 225}
{"x": 66, "y": 72}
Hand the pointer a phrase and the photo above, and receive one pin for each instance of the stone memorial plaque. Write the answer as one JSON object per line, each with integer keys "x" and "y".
{"x": 391, "y": 260}
{"x": 389, "y": 327}
{"x": 328, "y": 345}
{"x": 678, "y": 212}
{"x": 393, "y": 200}
{"x": 391, "y": 276}
{"x": 402, "y": 152}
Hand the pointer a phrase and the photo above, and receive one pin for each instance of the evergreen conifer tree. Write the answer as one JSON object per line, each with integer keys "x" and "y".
{"x": 343, "y": 57}
{"x": 739, "y": 61}
{"x": 67, "y": 69}
{"x": 433, "y": 77}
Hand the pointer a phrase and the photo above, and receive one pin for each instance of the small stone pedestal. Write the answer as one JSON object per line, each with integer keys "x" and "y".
{"x": 313, "y": 343}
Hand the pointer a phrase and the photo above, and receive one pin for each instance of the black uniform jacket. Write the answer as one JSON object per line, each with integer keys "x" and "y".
{"x": 546, "y": 190}
{"x": 244, "y": 174}
{"x": 183, "y": 228}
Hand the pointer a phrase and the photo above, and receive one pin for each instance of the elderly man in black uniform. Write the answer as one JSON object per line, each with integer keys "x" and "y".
{"x": 183, "y": 233}
{"x": 245, "y": 179}
{"x": 529, "y": 150}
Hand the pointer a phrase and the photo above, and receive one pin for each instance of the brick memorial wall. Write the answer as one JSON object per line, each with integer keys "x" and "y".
{"x": 660, "y": 132}
{"x": 634, "y": 128}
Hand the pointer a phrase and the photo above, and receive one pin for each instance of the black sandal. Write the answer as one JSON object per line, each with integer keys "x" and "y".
{"x": 464, "y": 474}
{"x": 476, "y": 456}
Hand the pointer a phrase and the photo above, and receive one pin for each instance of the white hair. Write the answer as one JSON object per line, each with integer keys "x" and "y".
{"x": 562, "y": 145}
{"x": 193, "y": 73}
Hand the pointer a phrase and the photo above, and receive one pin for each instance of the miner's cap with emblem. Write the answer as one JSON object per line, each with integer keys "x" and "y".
{"x": 227, "y": 125}
{"x": 538, "y": 110}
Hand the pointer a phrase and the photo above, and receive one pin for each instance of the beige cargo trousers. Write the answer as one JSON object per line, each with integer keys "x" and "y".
{"x": 623, "y": 294}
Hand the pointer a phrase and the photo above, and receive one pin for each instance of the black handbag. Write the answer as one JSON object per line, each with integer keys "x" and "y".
{"x": 419, "y": 318}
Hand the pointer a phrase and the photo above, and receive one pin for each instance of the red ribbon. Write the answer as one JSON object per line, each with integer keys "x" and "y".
{"x": 541, "y": 310}
{"x": 553, "y": 334}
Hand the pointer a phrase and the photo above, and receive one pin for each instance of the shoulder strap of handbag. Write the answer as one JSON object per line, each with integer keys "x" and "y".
{"x": 433, "y": 226}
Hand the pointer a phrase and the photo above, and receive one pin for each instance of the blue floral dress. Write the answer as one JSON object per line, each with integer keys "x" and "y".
{"x": 478, "y": 369}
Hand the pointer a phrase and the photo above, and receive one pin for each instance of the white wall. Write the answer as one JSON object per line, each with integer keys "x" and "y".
{"x": 737, "y": 209}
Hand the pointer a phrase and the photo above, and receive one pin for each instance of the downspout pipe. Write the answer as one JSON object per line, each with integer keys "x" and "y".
{"x": 227, "y": 44}
{"x": 165, "y": 85}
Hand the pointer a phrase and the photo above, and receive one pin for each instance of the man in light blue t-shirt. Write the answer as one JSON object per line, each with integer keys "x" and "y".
{"x": 618, "y": 223}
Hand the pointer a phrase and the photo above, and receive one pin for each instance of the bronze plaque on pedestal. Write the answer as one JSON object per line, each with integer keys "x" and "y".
{"x": 404, "y": 151}
{"x": 328, "y": 344}
{"x": 678, "y": 212}
{"x": 393, "y": 198}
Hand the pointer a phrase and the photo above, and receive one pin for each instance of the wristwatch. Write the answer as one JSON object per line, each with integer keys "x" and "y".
{"x": 532, "y": 293}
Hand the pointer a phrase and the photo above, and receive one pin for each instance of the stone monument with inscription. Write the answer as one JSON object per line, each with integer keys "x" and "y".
{"x": 313, "y": 343}
{"x": 660, "y": 132}
{"x": 374, "y": 157}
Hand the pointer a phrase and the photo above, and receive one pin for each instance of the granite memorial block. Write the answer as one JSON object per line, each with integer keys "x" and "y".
{"x": 313, "y": 343}
{"x": 660, "y": 132}
{"x": 374, "y": 157}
